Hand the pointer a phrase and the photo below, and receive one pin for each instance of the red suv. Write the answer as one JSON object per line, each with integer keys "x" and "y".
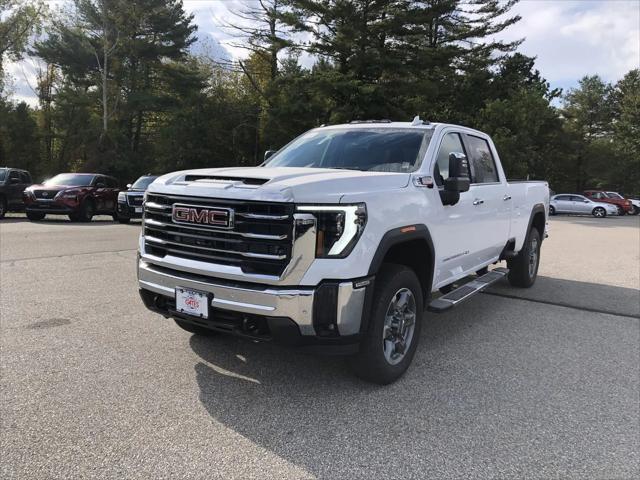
{"x": 79, "y": 195}
{"x": 624, "y": 206}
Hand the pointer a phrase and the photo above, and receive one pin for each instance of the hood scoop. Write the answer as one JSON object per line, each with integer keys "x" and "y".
{"x": 222, "y": 181}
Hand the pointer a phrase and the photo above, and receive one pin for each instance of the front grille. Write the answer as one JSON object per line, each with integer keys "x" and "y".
{"x": 259, "y": 243}
{"x": 49, "y": 194}
{"x": 135, "y": 200}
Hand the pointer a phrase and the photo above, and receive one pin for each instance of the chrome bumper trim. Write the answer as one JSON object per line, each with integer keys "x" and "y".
{"x": 293, "y": 303}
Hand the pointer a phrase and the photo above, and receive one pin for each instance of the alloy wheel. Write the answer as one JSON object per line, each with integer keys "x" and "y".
{"x": 399, "y": 325}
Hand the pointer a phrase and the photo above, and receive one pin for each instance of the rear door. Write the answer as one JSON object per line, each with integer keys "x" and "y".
{"x": 563, "y": 204}
{"x": 15, "y": 187}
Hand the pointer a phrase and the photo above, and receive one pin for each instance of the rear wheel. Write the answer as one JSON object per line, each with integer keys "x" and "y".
{"x": 3, "y": 207}
{"x": 621, "y": 211}
{"x": 552, "y": 210}
{"x": 599, "y": 212}
{"x": 35, "y": 216}
{"x": 388, "y": 346}
{"x": 523, "y": 269}
{"x": 195, "y": 329}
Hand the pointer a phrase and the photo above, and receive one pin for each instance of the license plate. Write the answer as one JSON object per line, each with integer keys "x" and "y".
{"x": 192, "y": 302}
{"x": 138, "y": 209}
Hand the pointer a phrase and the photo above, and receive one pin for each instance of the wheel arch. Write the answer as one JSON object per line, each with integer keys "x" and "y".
{"x": 537, "y": 220}
{"x": 411, "y": 246}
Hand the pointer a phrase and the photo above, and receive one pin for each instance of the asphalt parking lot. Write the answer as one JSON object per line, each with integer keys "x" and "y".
{"x": 539, "y": 383}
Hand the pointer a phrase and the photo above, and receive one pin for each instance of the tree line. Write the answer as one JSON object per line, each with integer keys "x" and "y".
{"x": 122, "y": 89}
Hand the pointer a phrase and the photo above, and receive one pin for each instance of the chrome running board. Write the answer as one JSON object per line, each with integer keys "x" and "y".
{"x": 466, "y": 291}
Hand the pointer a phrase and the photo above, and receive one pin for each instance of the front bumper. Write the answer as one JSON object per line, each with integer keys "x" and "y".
{"x": 329, "y": 315}
{"x": 51, "y": 206}
{"x": 128, "y": 211}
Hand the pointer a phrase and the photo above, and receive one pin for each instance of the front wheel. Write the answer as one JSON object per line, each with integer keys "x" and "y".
{"x": 635, "y": 210}
{"x": 552, "y": 210}
{"x": 523, "y": 269}
{"x": 3, "y": 207}
{"x": 391, "y": 339}
{"x": 621, "y": 211}
{"x": 35, "y": 216}
{"x": 87, "y": 211}
{"x": 599, "y": 212}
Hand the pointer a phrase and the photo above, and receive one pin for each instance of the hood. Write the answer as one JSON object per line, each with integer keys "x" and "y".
{"x": 283, "y": 184}
{"x": 56, "y": 187}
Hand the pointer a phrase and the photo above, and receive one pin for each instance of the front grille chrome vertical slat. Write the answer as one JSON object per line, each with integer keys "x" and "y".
{"x": 260, "y": 242}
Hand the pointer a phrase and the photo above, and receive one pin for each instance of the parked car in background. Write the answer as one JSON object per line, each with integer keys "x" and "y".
{"x": 13, "y": 181}
{"x": 635, "y": 203}
{"x": 624, "y": 205}
{"x": 580, "y": 205}
{"x": 130, "y": 201}
{"x": 79, "y": 195}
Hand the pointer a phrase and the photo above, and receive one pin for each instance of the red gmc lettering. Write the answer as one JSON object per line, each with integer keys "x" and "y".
{"x": 202, "y": 216}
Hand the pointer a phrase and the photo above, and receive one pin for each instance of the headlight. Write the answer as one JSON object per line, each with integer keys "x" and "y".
{"x": 70, "y": 194}
{"x": 122, "y": 197}
{"x": 338, "y": 228}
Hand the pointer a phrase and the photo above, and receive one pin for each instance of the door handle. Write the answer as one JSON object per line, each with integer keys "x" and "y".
{"x": 506, "y": 198}
{"x": 477, "y": 201}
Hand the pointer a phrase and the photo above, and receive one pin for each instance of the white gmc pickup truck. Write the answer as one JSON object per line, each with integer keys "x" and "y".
{"x": 338, "y": 241}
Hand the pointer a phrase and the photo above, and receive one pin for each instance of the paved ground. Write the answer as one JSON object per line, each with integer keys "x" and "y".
{"x": 92, "y": 385}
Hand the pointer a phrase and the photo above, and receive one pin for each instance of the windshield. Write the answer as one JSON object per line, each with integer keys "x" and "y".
{"x": 614, "y": 195}
{"x": 71, "y": 180}
{"x": 365, "y": 149}
{"x": 142, "y": 183}
{"x": 3, "y": 174}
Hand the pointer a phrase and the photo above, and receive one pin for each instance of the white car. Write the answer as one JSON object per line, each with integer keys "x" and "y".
{"x": 339, "y": 239}
{"x": 580, "y": 205}
{"x": 634, "y": 202}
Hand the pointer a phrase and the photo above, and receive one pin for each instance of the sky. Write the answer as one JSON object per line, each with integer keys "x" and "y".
{"x": 569, "y": 38}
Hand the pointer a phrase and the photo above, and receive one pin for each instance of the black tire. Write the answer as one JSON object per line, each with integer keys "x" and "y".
{"x": 195, "y": 329}
{"x": 523, "y": 269}
{"x": 3, "y": 207}
{"x": 87, "y": 211}
{"x": 634, "y": 210}
{"x": 35, "y": 216}
{"x": 599, "y": 212}
{"x": 122, "y": 220}
{"x": 552, "y": 210}
{"x": 393, "y": 283}
{"x": 621, "y": 211}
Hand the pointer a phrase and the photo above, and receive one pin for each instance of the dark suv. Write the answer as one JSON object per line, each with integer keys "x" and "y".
{"x": 79, "y": 195}
{"x": 130, "y": 202}
{"x": 13, "y": 181}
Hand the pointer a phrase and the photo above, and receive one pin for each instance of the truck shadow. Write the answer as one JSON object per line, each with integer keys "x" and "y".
{"x": 473, "y": 364}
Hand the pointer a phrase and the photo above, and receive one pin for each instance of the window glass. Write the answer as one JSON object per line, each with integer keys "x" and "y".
{"x": 111, "y": 182}
{"x": 578, "y": 198}
{"x": 563, "y": 198}
{"x": 26, "y": 178}
{"x": 484, "y": 167}
{"x": 143, "y": 182}
{"x": 14, "y": 175}
{"x": 70, "y": 180}
{"x": 365, "y": 149}
{"x": 598, "y": 195}
{"x": 3, "y": 174}
{"x": 451, "y": 143}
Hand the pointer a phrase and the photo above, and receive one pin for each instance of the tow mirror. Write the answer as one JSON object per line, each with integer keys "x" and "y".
{"x": 458, "y": 180}
{"x": 268, "y": 154}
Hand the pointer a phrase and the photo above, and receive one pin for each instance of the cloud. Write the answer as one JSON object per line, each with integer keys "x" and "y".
{"x": 573, "y": 38}
{"x": 570, "y": 38}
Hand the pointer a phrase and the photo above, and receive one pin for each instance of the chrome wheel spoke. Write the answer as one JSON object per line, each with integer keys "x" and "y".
{"x": 399, "y": 325}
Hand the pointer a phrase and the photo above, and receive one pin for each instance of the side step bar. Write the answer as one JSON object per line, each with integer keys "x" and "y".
{"x": 466, "y": 291}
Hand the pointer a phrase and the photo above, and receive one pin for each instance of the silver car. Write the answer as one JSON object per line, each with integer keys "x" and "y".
{"x": 580, "y": 205}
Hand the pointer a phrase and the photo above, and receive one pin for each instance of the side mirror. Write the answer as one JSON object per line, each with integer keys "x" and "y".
{"x": 128, "y": 185}
{"x": 268, "y": 154}
{"x": 100, "y": 185}
{"x": 458, "y": 180}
